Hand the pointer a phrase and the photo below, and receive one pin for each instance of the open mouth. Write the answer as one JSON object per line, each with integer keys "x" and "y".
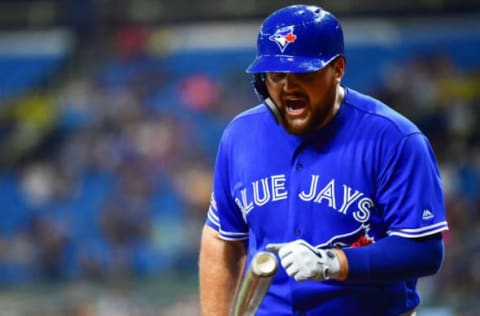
{"x": 295, "y": 106}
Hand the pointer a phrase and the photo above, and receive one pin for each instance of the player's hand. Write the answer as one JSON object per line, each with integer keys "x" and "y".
{"x": 302, "y": 261}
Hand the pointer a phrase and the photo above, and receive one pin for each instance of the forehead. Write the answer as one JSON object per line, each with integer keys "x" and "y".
{"x": 330, "y": 65}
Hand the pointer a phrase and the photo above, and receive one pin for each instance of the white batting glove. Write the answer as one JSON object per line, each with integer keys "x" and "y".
{"x": 302, "y": 261}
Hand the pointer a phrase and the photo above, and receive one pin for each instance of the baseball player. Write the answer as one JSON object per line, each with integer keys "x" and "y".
{"x": 342, "y": 188}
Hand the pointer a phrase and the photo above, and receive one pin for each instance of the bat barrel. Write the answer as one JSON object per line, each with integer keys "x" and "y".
{"x": 255, "y": 284}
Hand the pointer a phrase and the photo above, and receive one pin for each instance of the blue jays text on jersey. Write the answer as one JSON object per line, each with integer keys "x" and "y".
{"x": 368, "y": 174}
{"x": 273, "y": 188}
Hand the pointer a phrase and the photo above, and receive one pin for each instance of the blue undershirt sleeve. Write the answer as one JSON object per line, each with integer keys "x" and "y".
{"x": 396, "y": 258}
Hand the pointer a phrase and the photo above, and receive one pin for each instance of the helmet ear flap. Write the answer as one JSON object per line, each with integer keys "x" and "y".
{"x": 262, "y": 93}
{"x": 260, "y": 87}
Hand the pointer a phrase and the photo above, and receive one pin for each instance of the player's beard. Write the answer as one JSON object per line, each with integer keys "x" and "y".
{"x": 316, "y": 116}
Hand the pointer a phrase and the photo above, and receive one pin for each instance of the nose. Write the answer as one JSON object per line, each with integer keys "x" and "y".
{"x": 290, "y": 82}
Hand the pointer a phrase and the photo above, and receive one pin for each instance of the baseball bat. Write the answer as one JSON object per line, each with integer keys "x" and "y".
{"x": 255, "y": 284}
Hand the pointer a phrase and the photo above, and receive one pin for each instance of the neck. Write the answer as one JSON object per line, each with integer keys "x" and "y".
{"x": 338, "y": 99}
{"x": 339, "y": 95}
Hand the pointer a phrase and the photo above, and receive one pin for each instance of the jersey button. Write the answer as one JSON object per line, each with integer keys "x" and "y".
{"x": 298, "y": 232}
{"x": 299, "y": 166}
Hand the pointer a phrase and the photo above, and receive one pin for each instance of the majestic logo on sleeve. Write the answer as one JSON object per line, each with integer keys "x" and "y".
{"x": 283, "y": 37}
{"x": 427, "y": 214}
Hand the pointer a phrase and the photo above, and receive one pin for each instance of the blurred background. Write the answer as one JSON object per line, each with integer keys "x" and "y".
{"x": 111, "y": 112}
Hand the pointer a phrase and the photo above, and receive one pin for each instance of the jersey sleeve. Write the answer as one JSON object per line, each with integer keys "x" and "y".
{"x": 410, "y": 191}
{"x": 223, "y": 214}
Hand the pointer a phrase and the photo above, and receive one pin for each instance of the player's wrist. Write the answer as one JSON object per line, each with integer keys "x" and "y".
{"x": 335, "y": 264}
{"x": 341, "y": 273}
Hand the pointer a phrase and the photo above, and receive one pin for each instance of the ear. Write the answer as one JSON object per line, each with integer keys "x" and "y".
{"x": 339, "y": 67}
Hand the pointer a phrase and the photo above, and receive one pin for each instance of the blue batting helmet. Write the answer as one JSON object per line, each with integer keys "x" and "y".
{"x": 297, "y": 38}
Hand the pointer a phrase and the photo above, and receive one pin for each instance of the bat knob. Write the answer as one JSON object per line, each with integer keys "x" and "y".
{"x": 264, "y": 264}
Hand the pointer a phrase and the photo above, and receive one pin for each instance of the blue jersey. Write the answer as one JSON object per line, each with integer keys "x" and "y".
{"x": 368, "y": 174}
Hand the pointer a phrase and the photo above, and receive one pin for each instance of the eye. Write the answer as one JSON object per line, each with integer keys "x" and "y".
{"x": 279, "y": 77}
{"x": 276, "y": 77}
{"x": 305, "y": 75}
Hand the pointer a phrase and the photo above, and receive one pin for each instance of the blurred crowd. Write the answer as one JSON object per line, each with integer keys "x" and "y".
{"x": 105, "y": 172}
{"x": 443, "y": 100}
{"x": 103, "y": 175}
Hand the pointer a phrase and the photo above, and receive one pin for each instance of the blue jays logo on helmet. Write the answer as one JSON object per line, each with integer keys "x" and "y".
{"x": 283, "y": 37}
